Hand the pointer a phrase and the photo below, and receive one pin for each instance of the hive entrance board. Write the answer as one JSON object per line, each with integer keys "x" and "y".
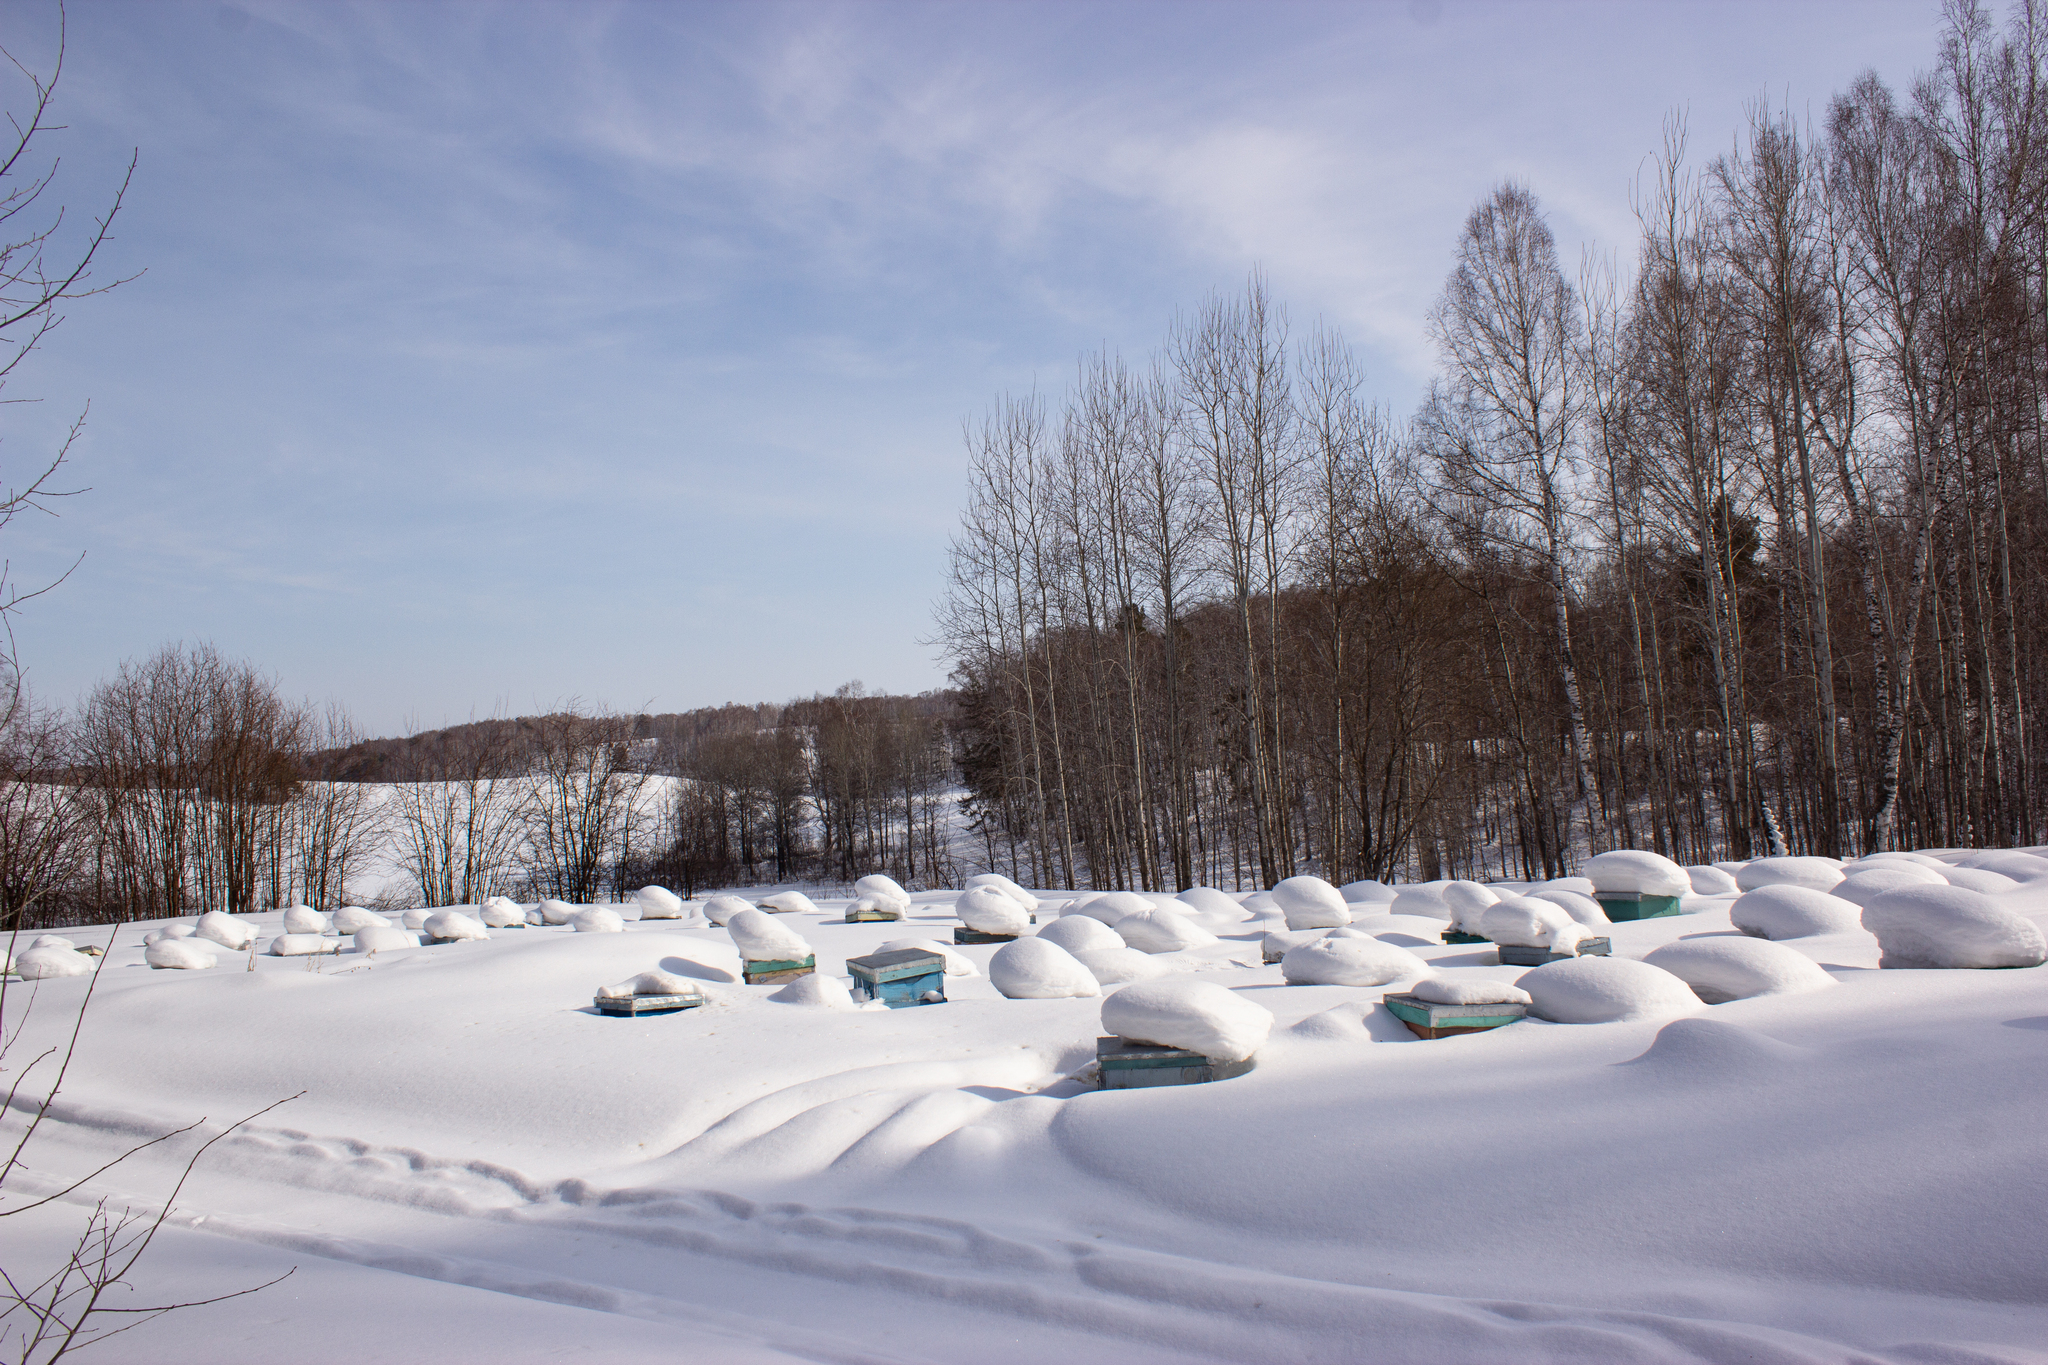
{"x": 1427, "y": 1019}
{"x": 766, "y": 973}
{"x": 899, "y": 978}
{"x": 1125, "y": 1065}
{"x": 1520, "y": 955}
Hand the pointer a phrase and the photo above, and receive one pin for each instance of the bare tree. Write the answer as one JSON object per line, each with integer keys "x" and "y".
{"x": 585, "y": 802}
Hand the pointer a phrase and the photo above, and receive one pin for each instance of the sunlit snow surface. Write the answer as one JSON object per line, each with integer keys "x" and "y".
{"x": 484, "y": 1168}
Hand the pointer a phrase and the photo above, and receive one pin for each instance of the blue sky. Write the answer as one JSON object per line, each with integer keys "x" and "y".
{"x": 494, "y": 354}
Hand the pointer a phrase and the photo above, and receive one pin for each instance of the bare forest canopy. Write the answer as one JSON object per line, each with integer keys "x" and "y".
{"x": 1743, "y": 552}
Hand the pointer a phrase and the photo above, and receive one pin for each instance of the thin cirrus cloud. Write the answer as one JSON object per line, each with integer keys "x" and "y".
{"x": 498, "y": 353}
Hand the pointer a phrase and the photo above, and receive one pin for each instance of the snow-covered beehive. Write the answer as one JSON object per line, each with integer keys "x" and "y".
{"x": 1177, "y": 1032}
{"x": 771, "y": 951}
{"x": 649, "y": 993}
{"x": 1443, "y": 1007}
{"x": 1631, "y": 884}
{"x": 899, "y": 979}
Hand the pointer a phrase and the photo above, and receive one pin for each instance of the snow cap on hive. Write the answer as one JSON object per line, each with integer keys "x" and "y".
{"x": 304, "y": 919}
{"x": 1865, "y": 884}
{"x": 1948, "y": 926}
{"x": 1160, "y": 931}
{"x": 957, "y": 963}
{"x": 1179, "y": 1011}
{"x": 556, "y": 912}
{"x": 788, "y": 903}
{"x": 1459, "y": 990}
{"x": 454, "y": 925}
{"x": 885, "y": 888}
{"x": 1636, "y": 871}
{"x": 650, "y": 983}
{"x": 39, "y": 964}
{"x": 721, "y": 909}
{"x": 1708, "y": 880}
{"x": 350, "y": 918}
{"x": 598, "y": 919}
{"x": 1580, "y": 907}
{"x": 1009, "y": 888}
{"x": 1081, "y": 934}
{"x": 415, "y": 920}
{"x": 1818, "y": 874}
{"x": 1783, "y": 910}
{"x": 499, "y": 912}
{"x": 762, "y": 938}
{"x": 1340, "y": 959}
{"x": 1525, "y": 921}
{"x": 384, "y": 938}
{"x": 1466, "y": 902}
{"x": 1311, "y": 903}
{"x": 658, "y": 902}
{"x": 1211, "y": 904}
{"x": 182, "y": 953}
{"x": 225, "y": 930}
{"x": 1034, "y": 969}
{"x": 1366, "y": 892}
{"x": 1114, "y": 966}
{"x": 987, "y": 910}
{"x": 1723, "y": 969}
{"x": 1601, "y": 990}
{"x": 816, "y": 991}
{"x": 301, "y": 945}
{"x": 2011, "y": 862}
{"x": 1421, "y": 898}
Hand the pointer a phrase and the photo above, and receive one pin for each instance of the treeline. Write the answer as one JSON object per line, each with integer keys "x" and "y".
{"x": 1740, "y": 555}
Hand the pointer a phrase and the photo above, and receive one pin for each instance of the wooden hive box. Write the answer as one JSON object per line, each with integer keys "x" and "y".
{"x": 1520, "y": 955}
{"x": 632, "y": 1006}
{"x": 763, "y": 973}
{"x": 1427, "y": 1019}
{"x": 963, "y": 934}
{"x": 1628, "y": 905}
{"x": 899, "y": 978}
{"x": 1125, "y": 1065}
{"x": 1458, "y": 936}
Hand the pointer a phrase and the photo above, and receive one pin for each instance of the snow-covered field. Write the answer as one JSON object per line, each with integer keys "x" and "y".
{"x": 481, "y": 1167}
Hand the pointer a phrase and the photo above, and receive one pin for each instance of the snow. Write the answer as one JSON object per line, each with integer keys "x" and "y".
{"x": 385, "y": 938}
{"x": 1580, "y": 907}
{"x": 1311, "y": 903}
{"x": 990, "y": 911}
{"x": 37, "y": 964}
{"x": 556, "y": 912}
{"x": 302, "y": 945}
{"x": 650, "y": 983}
{"x": 658, "y": 902}
{"x": 1525, "y": 921}
{"x": 454, "y": 925}
{"x": 1081, "y": 934}
{"x": 2014, "y": 863}
{"x": 1837, "y": 1175}
{"x": 1949, "y": 926}
{"x": 53, "y": 941}
{"x": 1979, "y": 879}
{"x": 304, "y": 919}
{"x": 883, "y": 889}
{"x": 1198, "y": 1015}
{"x": 720, "y": 909}
{"x": 1114, "y": 966}
{"x": 1720, "y": 968}
{"x": 187, "y": 954}
{"x": 1467, "y": 902}
{"x": 1161, "y": 931}
{"x": 1449, "y": 990}
{"x": 1602, "y": 990}
{"x": 1637, "y": 871}
{"x": 598, "y": 919}
{"x": 1710, "y": 881}
{"x": 875, "y": 905}
{"x": 1366, "y": 892}
{"x": 1781, "y": 910}
{"x": 1112, "y": 907}
{"x": 1422, "y": 898}
{"x": 818, "y": 992}
{"x": 787, "y": 903}
{"x": 1818, "y": 874}
{"x": 1009, "y": 888}
{"x": 761, "y": 938}
{"x": 1212, "y": 905}
{"x": 1864, "y": 885}
{"x": 1034, "y": 969}
{"x": 498, "y": 912}
{"x": 226, "y": 930}
{"x": 351, "y": 918}
{"x": 415, "y": 919}
{"x": 1341, "y": 960}
{"x": 168, "y": 931}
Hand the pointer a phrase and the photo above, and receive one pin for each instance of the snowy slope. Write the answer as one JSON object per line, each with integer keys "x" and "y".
{"x": 499, "y": 1173}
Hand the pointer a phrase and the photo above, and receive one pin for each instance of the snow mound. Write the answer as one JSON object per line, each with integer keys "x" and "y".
{"x": 1580, "y": 907}
{"x": 1862, "y": 886}
{"x": 997, "y": 881}
{"x": 989, "y": 911}
{"x": 658, "y": 902}
{"x": 168, "y": 931}
{"x": 1638, "y": 871}
{"x": 1161, "y": 931}
{"x": 883, "y": 888}
{"x": 761, "y": 938}
{"x": 182, "y": 953}
{"x": 957, "y": 963}
{"x": 1311, "y": 903}
{"x": 788, "y": 903}
{"x": 1601, "y": 990}
{"x": 1082, "y": 934}
{"x": 1459, "y": 990}
{"x": 2021, "y": 867}
{"x": 721, "y": 909}
{"x": 1879, "y": 859}
{"x": 1178, "y": 1011}
{"x": 301, "y": 945}
{"x": 384, "y": 938}
{"x": 1979, "y": 879}
{"x": 453, "y": 924}
{"x": 415, "y": 920}
{"x": 1422, "y": 898}
{"x": 501, "y": 913}
{"x": 225, "y": 930}
{"x": 1113, "y": 906}
{"x": 1212, "y": 904}
{"x": 1366, "y": 892}
{"x": 1280, "y": 942}
{"x": 304, "y": 919}
{"x": 819, "y": 992}
{"x": 650, "y": 983}
{"x": 53, "y": 941}
{"x": 1468, "y": 901}
{"x": 1948, "y": 926}
{"x": 1525, "y": 921}
{"x": 351, "y": 918}
{"x": 1722, "y": 969}
{"x": 1335, "y": 960}
{"x": 1114, "y": 966}
{"x": 1582, "y": 885}
{"x": 1033, "y": 969}
{"x": 880, "y": 904}
{"x": 556, "y": 912}
{"x": 39, "y": 964}
{"x": 598, "y": 919}
{"x": 1708, "y": 880}
{"x": 1820, "y": 874}
{"x": 1787, "y": 911}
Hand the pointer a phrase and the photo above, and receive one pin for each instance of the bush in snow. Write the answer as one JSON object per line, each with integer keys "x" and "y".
{"x": 598, "y": 919}
{"x": 1081, "y": 934}
{"x": 721, "y": 909}
{"x": 1161, "y": 931}
{"x": 1637, "y": 872}
{"x": 1818, "y": 874}
{"x": 1948, "y": 926}
{"x": 304, "y": 919}
{"x": 301, "y": 945}
{"x": 883, "y": 888}
{"x": 351, "y": 918}
{"x": 1865, "y": 885}
{"x": 40, "y": 963}
{"x": 385, "y": 938}
{"x": 1710, "y": 881}
{"x": 1034, "y": 969}
{"x": 957, "y": 963}
{"x": 819, "y": 992}
{"x": 986, "y": 910}
{"x": 1114, "y": 966}
{"x": 788, "y": 903}
{"x": 1582, "y": 908}
{"x": 1311, "y": 903}
{"x": 1179, "y": 1011}
{"x": 1601, "y": 990}
{"x": 658, "y": 902}
{"x": 454, "y": 925}
{"x": 1461, "y": 990}
{"x": 761, "y": 938}
{"x": 500, "y": 913}
{"x": 1344, "y": 960}
{"x": 556, "y": 912}
{"x": 1724, "y": 969}
{"x": 649, "y": 983}
{"x": 181, "y": 953}
{"x": 225, "y": 930}
{"x": 1786, "y": 911}
{"x": 1421, "y": 898}
{"x": 1212, "y": 904}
